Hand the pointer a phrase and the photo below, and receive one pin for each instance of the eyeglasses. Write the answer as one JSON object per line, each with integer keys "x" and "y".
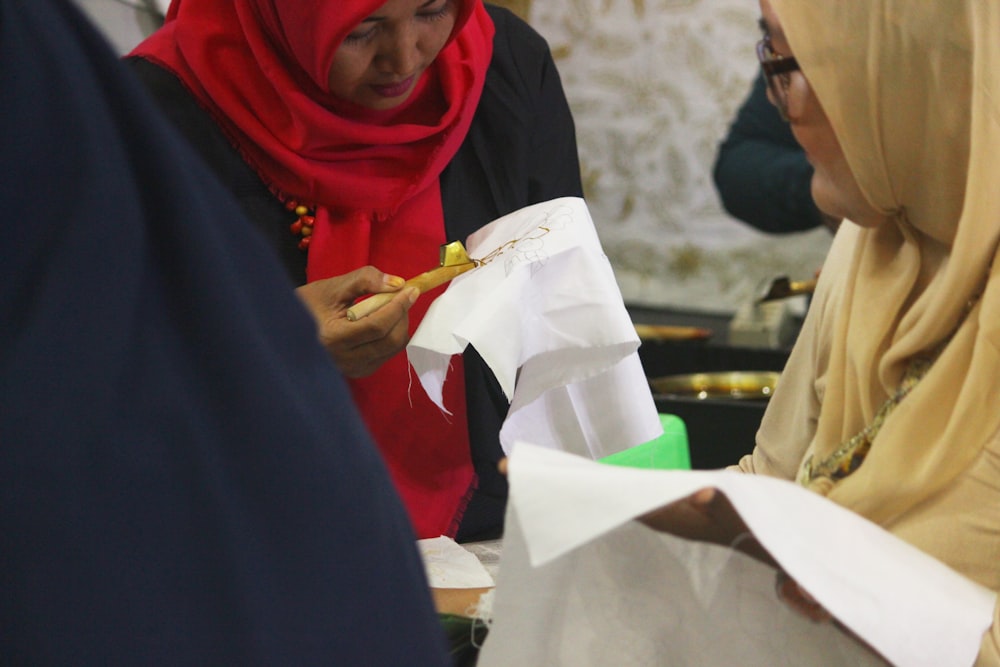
{"x": 777, "y": 71}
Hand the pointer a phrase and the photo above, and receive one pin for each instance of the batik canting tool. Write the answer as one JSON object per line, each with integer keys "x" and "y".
{"x": 454, "y": 261}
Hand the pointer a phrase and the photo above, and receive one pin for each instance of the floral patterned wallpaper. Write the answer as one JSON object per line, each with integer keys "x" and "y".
{"x": 653, "y": 85}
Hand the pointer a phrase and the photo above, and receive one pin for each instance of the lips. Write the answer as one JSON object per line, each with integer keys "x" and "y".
{"x": 394, "y": 89}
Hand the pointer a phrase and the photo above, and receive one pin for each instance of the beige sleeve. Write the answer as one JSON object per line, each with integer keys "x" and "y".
{"x": 789, "y": 422}
{"x": 989, "y": 650}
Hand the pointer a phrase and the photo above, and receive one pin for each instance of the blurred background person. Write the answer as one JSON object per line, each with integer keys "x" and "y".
{"x": 125, "y": 23}
{"x": 761, "y": 173}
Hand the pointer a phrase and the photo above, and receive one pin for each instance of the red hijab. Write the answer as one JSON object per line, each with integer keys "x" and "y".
{"x": 260, "y": 68}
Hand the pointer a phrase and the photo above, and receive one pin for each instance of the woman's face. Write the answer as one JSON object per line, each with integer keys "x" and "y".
{"x": 381, "y": 60}
{"x": 834, "y": 188}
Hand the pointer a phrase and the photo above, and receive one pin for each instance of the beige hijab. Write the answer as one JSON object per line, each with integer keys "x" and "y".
{"x": 912, "y": 89}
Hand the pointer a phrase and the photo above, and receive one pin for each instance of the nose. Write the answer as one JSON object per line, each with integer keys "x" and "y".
{"x": 400, "y": 54}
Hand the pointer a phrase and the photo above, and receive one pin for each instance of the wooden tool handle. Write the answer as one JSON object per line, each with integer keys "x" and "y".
{"x": 369, "y": 305}
{"x": 424, "y": 282}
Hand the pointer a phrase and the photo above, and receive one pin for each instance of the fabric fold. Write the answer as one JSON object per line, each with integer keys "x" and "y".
{"x": 545, "y": 313}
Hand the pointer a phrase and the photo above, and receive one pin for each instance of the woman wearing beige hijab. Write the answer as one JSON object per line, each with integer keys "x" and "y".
{"x": 889, "y": 402}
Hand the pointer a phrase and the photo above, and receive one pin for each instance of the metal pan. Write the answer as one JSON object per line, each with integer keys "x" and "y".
{"x": 733, "y": 385}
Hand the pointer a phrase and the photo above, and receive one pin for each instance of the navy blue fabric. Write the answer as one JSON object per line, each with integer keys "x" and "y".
{"x": 168, "y": 492}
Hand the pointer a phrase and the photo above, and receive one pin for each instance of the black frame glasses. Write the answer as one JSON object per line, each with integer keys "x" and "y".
{"x": 777, "y": 72}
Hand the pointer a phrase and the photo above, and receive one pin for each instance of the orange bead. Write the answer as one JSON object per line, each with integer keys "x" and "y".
{"x": 304, "y": 243}
{"x": 308, "y": 220}
{"x": 296, "y": 227}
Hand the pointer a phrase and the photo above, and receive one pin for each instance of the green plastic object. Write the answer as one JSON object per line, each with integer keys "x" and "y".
{"x": 667, "y": 452}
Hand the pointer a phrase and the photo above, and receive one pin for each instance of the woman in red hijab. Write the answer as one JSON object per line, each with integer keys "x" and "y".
{"x": 366, "y": 133}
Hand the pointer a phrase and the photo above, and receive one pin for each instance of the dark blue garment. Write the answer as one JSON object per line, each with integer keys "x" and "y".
{"x": 761, "y": 173}
{"x": 183, "y": 478}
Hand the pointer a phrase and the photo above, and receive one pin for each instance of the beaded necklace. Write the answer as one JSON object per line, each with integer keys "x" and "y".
{"x": 303, "y": 225}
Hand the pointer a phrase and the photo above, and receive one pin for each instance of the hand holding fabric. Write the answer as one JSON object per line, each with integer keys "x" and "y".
{"x": 359, "y": 348}
{"x": 707, "y": 516}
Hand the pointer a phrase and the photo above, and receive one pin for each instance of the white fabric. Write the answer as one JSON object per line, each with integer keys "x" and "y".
{"x": 449, "y": 565}
{"x": 547, "y": 317}
{"x": 582, "y": 584}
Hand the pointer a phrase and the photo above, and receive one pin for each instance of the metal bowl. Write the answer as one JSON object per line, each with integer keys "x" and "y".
{"x": 665, "y": 332}
{"x": 734, "y": 385}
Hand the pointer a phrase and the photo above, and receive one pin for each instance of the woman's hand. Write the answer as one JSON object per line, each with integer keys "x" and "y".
{"x": 798, "y": 598}
{"x": 707, "y": 516}
{"x": 359, "y": 348}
